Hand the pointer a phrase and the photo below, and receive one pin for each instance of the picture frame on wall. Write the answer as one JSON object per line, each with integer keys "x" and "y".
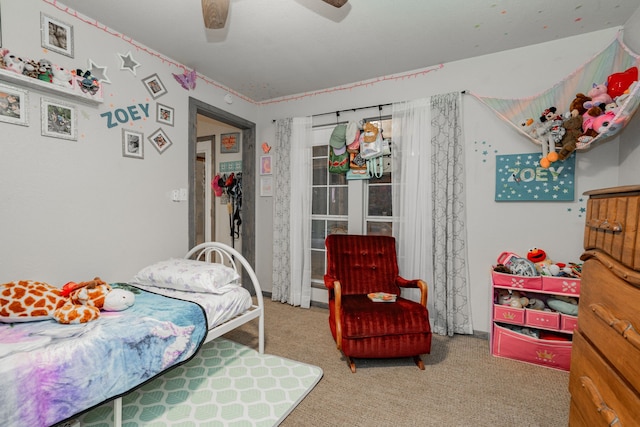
{"x": 59, "y": 120}
{"x": 154, "y": 86}
{"x": 160, "y": 140}
{"x": 164, "y": 114}
{"x": 230, "y": 142}
{"x": 132, "y": 144}
{"x": 266, "y": 186}
{"x": 57, "y": 36}
{"x": 14, "y": 104}
{"x": 265, "y": 165}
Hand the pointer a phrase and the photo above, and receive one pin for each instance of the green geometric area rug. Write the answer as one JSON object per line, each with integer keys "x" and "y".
{"x": 225, "y": 384}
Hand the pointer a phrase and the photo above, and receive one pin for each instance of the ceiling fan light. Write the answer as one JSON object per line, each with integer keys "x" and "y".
{"x": 215, "y": 13}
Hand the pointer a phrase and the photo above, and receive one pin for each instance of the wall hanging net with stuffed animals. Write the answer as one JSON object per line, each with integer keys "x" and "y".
{"x": 592, "y": 104}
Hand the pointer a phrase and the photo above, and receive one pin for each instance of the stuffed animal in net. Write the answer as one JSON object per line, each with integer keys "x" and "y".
{"x": 599, "y": 96}
{"x": 27, "y": 301}
{"x": 550, "y": 132}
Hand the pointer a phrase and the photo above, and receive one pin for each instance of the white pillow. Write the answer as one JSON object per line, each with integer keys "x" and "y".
{"x": 189, "y": 275}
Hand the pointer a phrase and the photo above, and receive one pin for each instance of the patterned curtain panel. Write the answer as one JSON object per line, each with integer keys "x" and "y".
{"x": 292, "y": 212}
{"x": 452, "y": 309}
{"x": 281, "y": 214}
{"x": 428, "y": 196}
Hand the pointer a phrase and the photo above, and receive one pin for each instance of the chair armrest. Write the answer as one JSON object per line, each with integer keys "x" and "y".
{"x": 329, "y": 281}
{"x": 417, "y": 283}
{"x": 335, "y": 293}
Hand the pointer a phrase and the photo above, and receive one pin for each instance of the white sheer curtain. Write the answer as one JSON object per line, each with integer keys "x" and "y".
{"x": 292, "y": 169}
{"x": 429, "y": 200}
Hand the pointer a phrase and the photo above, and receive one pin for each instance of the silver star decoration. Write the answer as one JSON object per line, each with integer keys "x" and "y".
{"x": 128, "y": 63}
{"x": 98, "y": 72}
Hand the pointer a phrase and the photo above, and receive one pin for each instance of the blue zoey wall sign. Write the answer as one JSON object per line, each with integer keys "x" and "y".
{"x": 520, "y": 178}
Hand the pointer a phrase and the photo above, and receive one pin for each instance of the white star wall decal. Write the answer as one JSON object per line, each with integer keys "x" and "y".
{"x": 128, "y": 63}
{"x": 98, "y": 72}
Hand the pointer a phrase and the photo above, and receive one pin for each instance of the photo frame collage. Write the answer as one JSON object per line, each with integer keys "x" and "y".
{"x": 59, "y": 119}
{"x": 132, "y": 141}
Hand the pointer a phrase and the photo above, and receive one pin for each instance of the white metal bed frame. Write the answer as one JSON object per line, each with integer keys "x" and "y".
{"x": 216, "y": 252}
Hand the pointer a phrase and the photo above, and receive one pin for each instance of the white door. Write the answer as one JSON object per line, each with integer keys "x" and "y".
{"x": 204, "y": 206}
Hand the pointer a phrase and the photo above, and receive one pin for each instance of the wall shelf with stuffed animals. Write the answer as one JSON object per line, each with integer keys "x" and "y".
{"x": 535, "y": 308}
{"x": 74, "y": 88}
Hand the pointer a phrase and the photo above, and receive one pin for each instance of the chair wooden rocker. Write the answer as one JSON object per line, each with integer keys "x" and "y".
{"x": 360, "y": 265}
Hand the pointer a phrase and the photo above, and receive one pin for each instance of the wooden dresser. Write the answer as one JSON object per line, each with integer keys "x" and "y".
{"x": 604, "y": 379}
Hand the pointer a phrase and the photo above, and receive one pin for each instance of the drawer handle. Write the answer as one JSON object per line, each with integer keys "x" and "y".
{"x": 609, "y": 415}
{"x": 623, "y": 327}
{"x": 605, "y": 225}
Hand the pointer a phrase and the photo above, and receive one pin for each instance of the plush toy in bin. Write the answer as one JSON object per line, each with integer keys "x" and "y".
{"x": 27, "y": 301}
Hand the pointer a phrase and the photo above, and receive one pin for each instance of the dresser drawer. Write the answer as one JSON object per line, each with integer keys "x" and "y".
{"x": 609, "y": 317}
{"x": 597, "y": 392}
{"x": 612, "y": 224}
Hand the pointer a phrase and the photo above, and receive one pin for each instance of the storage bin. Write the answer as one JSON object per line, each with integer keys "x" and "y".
{"x": 508, "y": 314}
{"x": 561, "y": 285}
{"x": 513, "y": 345}
{"x": 568, "y": 323}
{"x": 542, "y": 319}
{"x": 516, "y": 282}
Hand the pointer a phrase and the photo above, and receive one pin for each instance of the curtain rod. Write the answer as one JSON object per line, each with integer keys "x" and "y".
{"x": 337, "y": 113}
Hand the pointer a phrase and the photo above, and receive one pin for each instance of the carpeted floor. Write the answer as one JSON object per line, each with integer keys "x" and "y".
{"x": 462, "y": 385}
{"x": 225, "y": 384}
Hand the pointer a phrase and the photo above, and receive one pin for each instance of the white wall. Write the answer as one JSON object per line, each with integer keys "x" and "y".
{"x": 72, "y": 210}
{"x": 492, "y": 227}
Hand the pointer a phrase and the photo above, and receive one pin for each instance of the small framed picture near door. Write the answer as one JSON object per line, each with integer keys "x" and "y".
{"x": 265, "y": 165}
{"x": 164, "y": 114}
{"x": 160, "y": 140}
{"x": 56, "y": 35}
{"x": 230, "y": 142}
{"x": 132, "y": 144}
{"x": 58, "y": 120}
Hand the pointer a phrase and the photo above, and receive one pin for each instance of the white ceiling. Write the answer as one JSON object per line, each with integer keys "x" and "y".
{"x": 274, "y": 48}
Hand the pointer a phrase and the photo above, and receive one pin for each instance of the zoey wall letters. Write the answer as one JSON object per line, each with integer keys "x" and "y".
{"x": 126, "y": 115}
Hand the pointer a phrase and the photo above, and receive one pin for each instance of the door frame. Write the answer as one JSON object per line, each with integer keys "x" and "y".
{"x": 248, "y": 130}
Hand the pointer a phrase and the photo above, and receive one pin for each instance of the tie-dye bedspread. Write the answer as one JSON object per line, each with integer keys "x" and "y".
{"x": 50, "y": 372}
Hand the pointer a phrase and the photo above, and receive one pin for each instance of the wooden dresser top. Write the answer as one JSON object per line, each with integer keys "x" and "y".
{"x": 625, "y": 190}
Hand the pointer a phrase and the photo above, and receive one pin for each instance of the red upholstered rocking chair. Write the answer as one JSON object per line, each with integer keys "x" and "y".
{"x": 357, "y": 266}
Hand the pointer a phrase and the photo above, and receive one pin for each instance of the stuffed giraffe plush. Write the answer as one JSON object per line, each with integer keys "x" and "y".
{"x": 27, "y": 300}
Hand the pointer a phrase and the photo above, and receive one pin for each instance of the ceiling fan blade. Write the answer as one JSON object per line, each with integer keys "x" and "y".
{"x": 336, "y": 3}
{"x": 215, "y": 13}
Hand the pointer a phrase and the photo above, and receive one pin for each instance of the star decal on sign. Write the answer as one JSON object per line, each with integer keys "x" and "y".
{"x": 128, "y": 63}
{"x": 98, "y": 72}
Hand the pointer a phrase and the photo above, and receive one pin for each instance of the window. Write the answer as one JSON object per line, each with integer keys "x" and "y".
{"x": 346, "y": 206}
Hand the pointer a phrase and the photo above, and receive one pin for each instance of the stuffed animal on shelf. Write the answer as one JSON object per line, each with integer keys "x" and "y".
{"x": 27, "y": 300}
{"x": 512, "y": 298}
{"x": 539, "y": 258}
{"x": 12, "y": 62}
{"x": 61, "y": 76}
{"x": 564, "y": 305}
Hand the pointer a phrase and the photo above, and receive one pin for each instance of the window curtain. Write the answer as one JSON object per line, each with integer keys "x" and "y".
{"x": 291, "y": 166}
{"x": 429, "y": 200}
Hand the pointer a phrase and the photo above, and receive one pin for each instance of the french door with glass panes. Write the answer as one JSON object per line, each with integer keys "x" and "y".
{"x": 345, "y": 206}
